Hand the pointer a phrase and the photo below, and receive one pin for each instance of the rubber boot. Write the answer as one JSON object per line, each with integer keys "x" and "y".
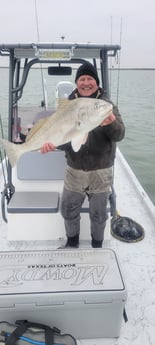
{"x": 95, "y": 243}
{"x": 72, "y": 242}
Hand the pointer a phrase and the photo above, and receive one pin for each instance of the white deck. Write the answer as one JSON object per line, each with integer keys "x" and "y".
{"x": 137, "y": 260}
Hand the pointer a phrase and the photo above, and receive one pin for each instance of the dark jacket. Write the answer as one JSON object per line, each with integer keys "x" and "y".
{"x": 99, "y": 150}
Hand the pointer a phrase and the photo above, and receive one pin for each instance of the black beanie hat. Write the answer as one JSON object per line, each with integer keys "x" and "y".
{"x": 87, "y": 69}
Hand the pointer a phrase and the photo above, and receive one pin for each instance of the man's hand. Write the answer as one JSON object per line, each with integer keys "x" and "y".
{"x": 47, "y": 147}
{"x": 110, "y": 119}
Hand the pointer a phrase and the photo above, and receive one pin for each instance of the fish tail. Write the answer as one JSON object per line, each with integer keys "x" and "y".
{"x": 13, "y": 151}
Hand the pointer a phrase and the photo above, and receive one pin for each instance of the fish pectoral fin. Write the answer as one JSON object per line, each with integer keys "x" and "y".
{"x": 36, "y": 127}
{"x": 77, "y": 142}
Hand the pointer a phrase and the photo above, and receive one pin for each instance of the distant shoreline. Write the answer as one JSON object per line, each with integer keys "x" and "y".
{"x": 113, "y": 69}
{"x": 133, "y": 69}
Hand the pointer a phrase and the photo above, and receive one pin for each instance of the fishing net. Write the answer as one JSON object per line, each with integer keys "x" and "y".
{"x": 126, "y": 229}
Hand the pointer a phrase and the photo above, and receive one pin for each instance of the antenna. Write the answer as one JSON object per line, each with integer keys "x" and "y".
{"x": 44, "y": 101}
{"x": 119, "y": 60}
{"x": 111, "y": 39}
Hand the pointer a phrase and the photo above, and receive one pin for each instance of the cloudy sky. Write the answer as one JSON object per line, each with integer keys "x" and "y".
{"x": 131, "y": 22}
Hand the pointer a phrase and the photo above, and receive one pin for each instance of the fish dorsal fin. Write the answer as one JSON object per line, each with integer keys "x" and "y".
{"x": 79, "y": 141}
{"x": 36, "y": 127}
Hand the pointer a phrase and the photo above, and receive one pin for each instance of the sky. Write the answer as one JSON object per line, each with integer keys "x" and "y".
{"x": 129, "y": 23}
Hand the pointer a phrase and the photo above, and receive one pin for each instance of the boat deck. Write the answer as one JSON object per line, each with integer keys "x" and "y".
{"x": 137, "y": 259}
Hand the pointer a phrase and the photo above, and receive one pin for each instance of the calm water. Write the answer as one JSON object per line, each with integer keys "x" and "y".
{"x": 136, "y": 104}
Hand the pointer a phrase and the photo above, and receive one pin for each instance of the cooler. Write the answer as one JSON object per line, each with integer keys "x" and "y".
{"x": 80, "y": 291}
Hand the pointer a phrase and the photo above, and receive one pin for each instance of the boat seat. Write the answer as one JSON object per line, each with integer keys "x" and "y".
{"x": 34, "y": 202}
{"x": 38, "y": 166}
{"x": 39, "y": 172}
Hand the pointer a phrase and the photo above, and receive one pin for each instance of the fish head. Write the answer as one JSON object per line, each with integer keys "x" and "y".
{"x": 92, "y": 112}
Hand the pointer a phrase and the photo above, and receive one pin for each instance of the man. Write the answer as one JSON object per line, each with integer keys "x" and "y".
{"x": 90, "y": 170}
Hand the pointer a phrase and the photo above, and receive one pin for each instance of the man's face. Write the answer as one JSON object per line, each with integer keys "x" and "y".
{"x": 86, "y": 85}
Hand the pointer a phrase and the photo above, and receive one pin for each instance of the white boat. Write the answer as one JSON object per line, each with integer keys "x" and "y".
{"x": 34, "y": 229}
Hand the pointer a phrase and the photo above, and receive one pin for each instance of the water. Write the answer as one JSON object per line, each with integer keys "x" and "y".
{"x": 137, "y": 107}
